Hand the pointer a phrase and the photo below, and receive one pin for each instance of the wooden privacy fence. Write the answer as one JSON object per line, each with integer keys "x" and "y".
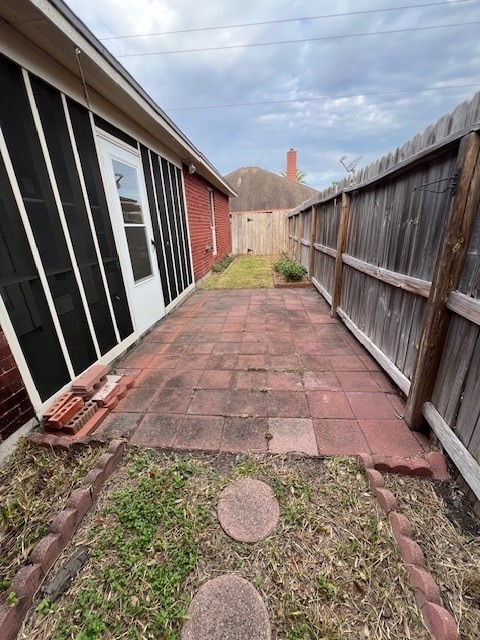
{"x": 396, "y": 253}
{"x": 259, "y": 233}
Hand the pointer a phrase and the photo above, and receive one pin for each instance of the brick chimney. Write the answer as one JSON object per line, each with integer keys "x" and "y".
{"x": 292, "y": 165}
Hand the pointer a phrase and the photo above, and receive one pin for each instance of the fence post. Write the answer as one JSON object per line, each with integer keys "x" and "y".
{"x": 341, "y": 244}
{"x": 448, "y": 271}
{"x": 313, "y": 236}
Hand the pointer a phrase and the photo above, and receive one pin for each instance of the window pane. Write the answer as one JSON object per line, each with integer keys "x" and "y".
{"x": 127, "y": 188}
{"x": 138, "y": 249}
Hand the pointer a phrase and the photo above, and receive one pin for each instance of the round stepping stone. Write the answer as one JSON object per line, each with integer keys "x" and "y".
{"x": 248, "y": 511}
{"x": 227, "y": 608}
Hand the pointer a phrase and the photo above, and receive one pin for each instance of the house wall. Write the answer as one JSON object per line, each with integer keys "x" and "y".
{"x": 197, "y": 202}
{"x": 15, "y": 406}
{"x": 62, "y": 276}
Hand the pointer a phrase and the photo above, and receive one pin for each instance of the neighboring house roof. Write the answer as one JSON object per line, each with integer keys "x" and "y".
{"x": 55, "y": 29}
{"x": 261, "y": 190}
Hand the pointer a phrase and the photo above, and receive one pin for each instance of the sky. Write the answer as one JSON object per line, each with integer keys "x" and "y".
{"x": 344, "y": 89}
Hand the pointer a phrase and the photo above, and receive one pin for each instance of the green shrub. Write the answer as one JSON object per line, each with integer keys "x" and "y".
{"x": 290, "y": 270}
{"x": 219, "y": 267}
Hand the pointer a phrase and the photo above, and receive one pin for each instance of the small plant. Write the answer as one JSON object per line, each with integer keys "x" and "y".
{"x": 12, "y": 599}
{"x": 292, "y": 271}
{"x": 44, "y": 607}
{"x": 219, "y": 267}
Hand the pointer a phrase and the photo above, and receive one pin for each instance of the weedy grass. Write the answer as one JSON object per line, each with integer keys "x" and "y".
{"x": 35, "y": 484}
{"x": 330, "y": 570}
{"x": 245, "y": 272}
{"x": 452, "y": 555}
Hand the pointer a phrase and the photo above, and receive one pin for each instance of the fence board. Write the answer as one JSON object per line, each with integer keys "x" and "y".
{"x": 457, "y": 354}
{"x": 459, "y": 454}
{"x": 410, "y": 266}
{"x": 262, "y": 233}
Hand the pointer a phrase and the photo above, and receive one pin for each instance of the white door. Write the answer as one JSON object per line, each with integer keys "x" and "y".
{"x": 132, "y": 225}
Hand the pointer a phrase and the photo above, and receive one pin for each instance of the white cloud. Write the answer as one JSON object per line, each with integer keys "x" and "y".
{"x": 322, "y": 131}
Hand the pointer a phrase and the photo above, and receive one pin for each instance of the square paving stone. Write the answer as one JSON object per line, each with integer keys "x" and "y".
{"x": 171, "y": 400}
{"x": 193, "y": 361}
{"x": 216, "y": 379}
{"x": 280, "y": 336}
{"x": 321, "y": 380}
{"x": 181, "y": 379}
{"x": 137, "y": 400}
{"x": 164, "y": 362}
{"x": 284, "y": 381}
{"x": 251, "y": 362}
{"x": 384, "y": 382}
{"x": 287, "y": 362}
{"x": 339, "y": 437}
{"x": 287, "y": 404}
{"x": 222, "y": 362}
{"x": 157, "y": 430}
{"x": 250, "y": 380}
{"x": 246, "y": 402}
{"x": 244, "y": 434}
{"x": 202, "y": 433}
{"x": 371, "y": 406}
{"x": 329, "y": 404}
{"x": 370, "y": 363}
{"x": 152, "y": 378}
{"x": 209, "y": 402}
{"x": 315, "y": 363}
{"x": 226, "y": 348}
{"x": 118, "y": 425}
{"x": 134, "y": 361}
{"x": 357, "y": 381}
{"x": 280, "y": 348}
{"x": 230, "y": 336}
{"x": 346, "y": 363}
{"x": 252, "y": 348}
{"x": 390, "y": 438}
{"x": 292, "y": 434}
{"x": 202, "y": 349}
{"x": 233, "y": 327}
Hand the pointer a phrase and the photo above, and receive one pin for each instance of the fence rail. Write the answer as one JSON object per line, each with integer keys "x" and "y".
{"x": 395, "y": 250}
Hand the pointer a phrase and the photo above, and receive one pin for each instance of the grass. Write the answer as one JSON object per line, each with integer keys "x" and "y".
{"x": 35, "y": 484}
{"x": 245, "y": 272}
{"x": 330, "y": 570}
{"x": 452, "y": 555}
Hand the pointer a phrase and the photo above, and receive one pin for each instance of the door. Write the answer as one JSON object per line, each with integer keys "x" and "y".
{"x": 131, "y": 221}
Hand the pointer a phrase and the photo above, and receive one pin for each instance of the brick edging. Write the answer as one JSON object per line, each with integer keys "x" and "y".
{"x": 28, "y": 580}
{"x": 438, "y": 620}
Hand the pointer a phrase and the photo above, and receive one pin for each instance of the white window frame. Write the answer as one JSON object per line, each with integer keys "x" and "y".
{"x": 211, "y": 207}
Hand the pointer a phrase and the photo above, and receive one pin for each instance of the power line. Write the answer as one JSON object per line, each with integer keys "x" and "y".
{"x": 318, "y": 98}
{"x": 255, "y": 24}
{"x": 322, "y": 38}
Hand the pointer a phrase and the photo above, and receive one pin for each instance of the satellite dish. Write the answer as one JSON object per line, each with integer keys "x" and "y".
{"x": 350, "y": 167}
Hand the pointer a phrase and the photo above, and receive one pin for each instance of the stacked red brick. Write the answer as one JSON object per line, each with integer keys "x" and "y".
{"x": 80, "y": 411}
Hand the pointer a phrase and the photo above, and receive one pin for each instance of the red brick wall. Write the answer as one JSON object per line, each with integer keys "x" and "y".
{"x": 15, "y": 406}
{"x": 197, "y": 202}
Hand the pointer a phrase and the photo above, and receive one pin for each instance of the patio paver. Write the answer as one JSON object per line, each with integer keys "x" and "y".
{"x": 260, "y": 370}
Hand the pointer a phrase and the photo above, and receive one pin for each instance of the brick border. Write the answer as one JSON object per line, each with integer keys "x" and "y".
{"x": 439, "y": 622}
{"x": 30, "y": 577}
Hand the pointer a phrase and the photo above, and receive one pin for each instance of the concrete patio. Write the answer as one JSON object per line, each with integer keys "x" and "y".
{"x": 261, "y": 371}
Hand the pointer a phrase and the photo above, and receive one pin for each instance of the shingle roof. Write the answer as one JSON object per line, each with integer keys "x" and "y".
{"x": 261, "y": 190}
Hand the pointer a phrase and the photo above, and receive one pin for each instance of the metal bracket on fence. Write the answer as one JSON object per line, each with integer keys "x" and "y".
{"x": 452, "y": 187}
